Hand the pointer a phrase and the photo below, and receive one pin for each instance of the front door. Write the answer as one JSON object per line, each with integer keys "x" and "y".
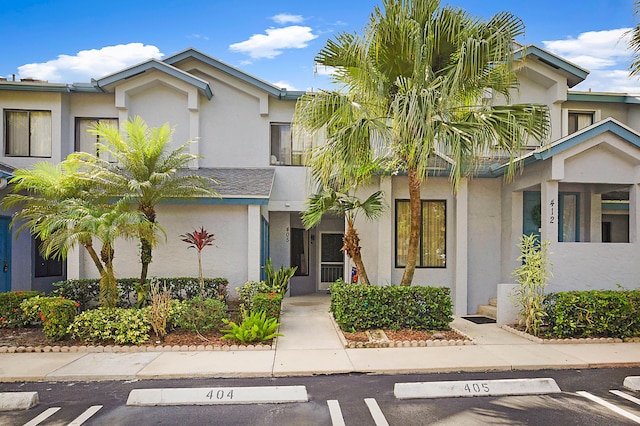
{"x": 331, "y": 260}
{"x": 5, "y": 255}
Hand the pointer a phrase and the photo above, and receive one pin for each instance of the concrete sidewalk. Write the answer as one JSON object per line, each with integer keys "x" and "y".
{"x": 311, "y": 345}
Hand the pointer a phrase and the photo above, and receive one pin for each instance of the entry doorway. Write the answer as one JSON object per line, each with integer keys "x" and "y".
{"x": 5, "y": 255}
{"x": 331, "y": 260}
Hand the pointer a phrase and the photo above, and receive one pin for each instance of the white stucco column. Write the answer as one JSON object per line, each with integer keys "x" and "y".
{"x": 550, "y": 211}
{"x": 73, "y": 264}
{"x": 461, "y": 252}
{"x": 385, "y": 233}
{"x": 253, "y": 242}
{"x": 596, "y": 218}
{"x": 194, "y": 136}
{"x": 634, "y": 214}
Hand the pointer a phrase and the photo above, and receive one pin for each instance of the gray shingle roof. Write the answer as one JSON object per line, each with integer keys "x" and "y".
{"x": 240, "y": 182}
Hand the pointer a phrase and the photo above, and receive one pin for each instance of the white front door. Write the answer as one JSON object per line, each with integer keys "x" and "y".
{"x": 331, "y": 260}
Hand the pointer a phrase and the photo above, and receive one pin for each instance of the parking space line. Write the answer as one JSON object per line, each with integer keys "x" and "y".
{"x": 335, "y": 412}
{"x": 376, "y": 412}
{"x": 610, "y": 406}
{"x": 626, "y": 396}
{"x": 42, "y": 416}
{"x": 86, "y": 415}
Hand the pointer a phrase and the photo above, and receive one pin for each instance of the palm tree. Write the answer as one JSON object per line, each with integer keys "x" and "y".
{"x": 62, "y": 211}
{"x": 414, "y": 89}
{"x": 199, "y": 240}
{"x": 634, "y": 43}
{"x": 344, "y": 204}
{"x": 145, "y": 170}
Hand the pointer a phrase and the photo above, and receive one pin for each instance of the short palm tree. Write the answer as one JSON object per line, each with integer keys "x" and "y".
{"x": 413, "y": 88}
{"x": 634, "y": 43}
{"x": 145, "y": 170}
{"x": 344, "y": 204}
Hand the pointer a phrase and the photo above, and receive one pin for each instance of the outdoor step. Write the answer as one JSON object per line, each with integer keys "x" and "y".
{"x": 493, "y": 301}
{"x": 488, "y": 311}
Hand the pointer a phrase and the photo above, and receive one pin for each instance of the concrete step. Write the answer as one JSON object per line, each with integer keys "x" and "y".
{"x": 488, "y": 311}
{"x": 493, "y": 301}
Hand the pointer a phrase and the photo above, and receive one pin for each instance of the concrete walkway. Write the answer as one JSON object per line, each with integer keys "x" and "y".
{"x": 311, "y": 345}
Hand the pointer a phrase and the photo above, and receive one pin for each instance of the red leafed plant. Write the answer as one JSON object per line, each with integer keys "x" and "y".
{"x": 199, "y": 239}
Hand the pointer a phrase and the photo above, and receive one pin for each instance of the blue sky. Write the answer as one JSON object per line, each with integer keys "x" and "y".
{"x": 62, "y": 41}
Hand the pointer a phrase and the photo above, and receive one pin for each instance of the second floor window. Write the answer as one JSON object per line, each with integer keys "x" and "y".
{"x": 579, "y": 120}
{"x": 284, "y": 150}
{"x": 27, "y": 133}
{"x": 87, "y": 141}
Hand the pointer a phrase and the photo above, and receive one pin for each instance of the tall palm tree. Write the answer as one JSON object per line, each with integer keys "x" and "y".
{"x": 344, "y": 204}
{"x": 414, "y": 89}
{"x": 144, "y": 169}
{"x": 63, "y": 212}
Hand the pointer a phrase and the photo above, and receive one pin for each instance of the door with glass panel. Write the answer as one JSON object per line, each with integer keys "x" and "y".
{"x": 331, "y": 259}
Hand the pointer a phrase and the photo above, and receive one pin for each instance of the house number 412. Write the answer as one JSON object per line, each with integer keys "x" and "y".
{"x": 552, "y": 204}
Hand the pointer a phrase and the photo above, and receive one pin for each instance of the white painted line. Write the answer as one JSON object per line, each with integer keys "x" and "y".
{"x": 626, "y": 396}
{"x": 42, "y": 416}
{"x": 335, "y": 412}
{"x": 376, "y": 412}
{"x": 465, "y": 388}
{"x": 213, "y": 395}
{"x": 632, "y": 382}
{"x": 18, "y": 400}
{"x": 610, "y": 406}
{"x": 86, "y": 415}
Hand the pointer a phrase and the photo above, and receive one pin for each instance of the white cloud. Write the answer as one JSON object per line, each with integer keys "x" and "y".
{"x": 275, "y": 41}
{"x": 88, "y": 64}
{"x": 287, "y": 18}
{"x": 198, "y": 36}
{"x": 286, "y": 85}
{"x": 595, "y": 49}
{"x": 617, "y": 81}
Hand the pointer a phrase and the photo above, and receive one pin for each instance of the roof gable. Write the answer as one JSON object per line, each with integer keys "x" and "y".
{"x": 573, "y": 72}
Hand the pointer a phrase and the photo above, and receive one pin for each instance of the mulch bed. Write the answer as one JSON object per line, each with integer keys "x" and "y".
{"x": 404, "y": 335}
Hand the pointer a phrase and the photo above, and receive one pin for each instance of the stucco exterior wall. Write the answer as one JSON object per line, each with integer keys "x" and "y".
{"x": 484, "y": 241}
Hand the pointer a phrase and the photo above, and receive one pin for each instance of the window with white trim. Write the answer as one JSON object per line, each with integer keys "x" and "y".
{"x": 27, "y": 133}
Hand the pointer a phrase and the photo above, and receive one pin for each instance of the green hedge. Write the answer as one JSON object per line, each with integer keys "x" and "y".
{"x": 11, "y": 315}
{"x": 55, "y": 313}
{"x": 87, "y": 291}
{"x": 106, "y": 325}
{"x": 594, "y": 313}
{"x": 363, "y": 307}
{"x": 268, "y": 303}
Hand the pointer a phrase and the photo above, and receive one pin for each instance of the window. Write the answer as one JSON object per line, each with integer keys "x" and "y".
{"x": 569, "y": 223}
{"x": 432, "y": 250}
{"x": 45, "y": 267}
{"x": 284, "y": 151}
{"x": 87, "y": 141}
{"x": 579, "y": 120}
{"x": 27, "y": 133}
{"x": 300, "y": 251}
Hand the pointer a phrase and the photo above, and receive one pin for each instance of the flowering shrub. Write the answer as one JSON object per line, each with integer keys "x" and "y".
{"x": 269, "y": 303}
{"x": 122, "y": 326}
{"x": 11, "y": 314}
{"x": 55, "y": 314}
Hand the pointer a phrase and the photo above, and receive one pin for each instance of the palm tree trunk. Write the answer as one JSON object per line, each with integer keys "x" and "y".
{"x": 351, "y": 245}
{"x": 108, "y": 283}
{"x": 200, "y": 274}
{"x": 145, "y": 244}
{"x": 414, "y": 230}
{"x": 94, "y": 257}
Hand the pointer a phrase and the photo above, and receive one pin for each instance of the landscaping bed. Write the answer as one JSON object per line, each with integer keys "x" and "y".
{"x": 403, "y": 338}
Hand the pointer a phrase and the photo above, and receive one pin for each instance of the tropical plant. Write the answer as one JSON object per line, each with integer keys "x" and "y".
{"x": 199, "y": 240}
{"x": 255, "y": 327}
{"x": 533, "y": 276}
{"x": 278, "y": 280}
{"x": 344, "y": 204}
{"x": 634, "y": 43}
{"x": 201, "y": 315}
{"x": 413, "y": 89}
{"x": 159, "y": 309}
{"x": 145, "y": 170}
{"x": 62, "y": 210}
{"x": 54, "y": 313}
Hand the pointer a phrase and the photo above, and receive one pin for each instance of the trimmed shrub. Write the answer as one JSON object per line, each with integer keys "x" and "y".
{"x": 363, "y": 307}
{"x": 268, "y": 303}
{"x": 250, "y": 289}
{"x": 87, "y": 291}
{"x": 11, "y": 315}
{"x": 201, "y": 315}
{"x": 593, "y": 313}
{"x": 55, "y": 314}
{"x": 118, "y": 325}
